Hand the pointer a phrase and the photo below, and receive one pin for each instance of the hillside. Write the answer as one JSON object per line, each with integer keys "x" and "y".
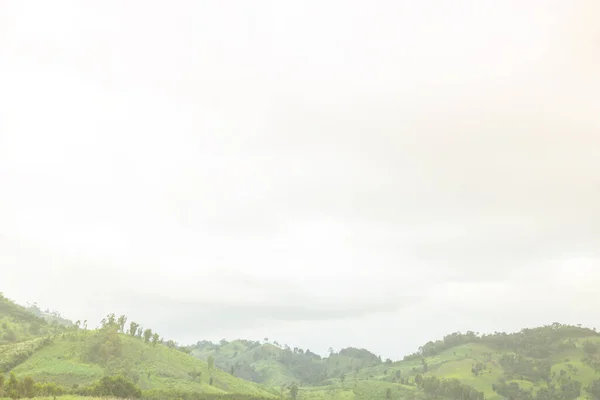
{"x": 80, "y": 358}
{"x": 51, "y": 317}
{"x": 550, "y": 362}
{"x": 19, "y": 324}
{"x": 75, "y": 360}
{"x": 273, "y": 364}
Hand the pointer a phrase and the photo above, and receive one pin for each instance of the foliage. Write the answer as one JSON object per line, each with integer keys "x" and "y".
{"x": 103, "y": 346}
{"x": 12, "y": 355}
{"x": 183, "y": 395}
{"x": 80, "y": 358}
{"x": 19, "y": 324}
{"x": 26, "y": 387}
{"x": 124, "y": 359}
{"x": 538, "y": 342}
{"x": 450, "y": 389}
{"x": 116, "y": 386}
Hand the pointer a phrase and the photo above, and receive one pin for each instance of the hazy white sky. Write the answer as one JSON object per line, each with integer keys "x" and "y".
{"x": 324, "y": 173}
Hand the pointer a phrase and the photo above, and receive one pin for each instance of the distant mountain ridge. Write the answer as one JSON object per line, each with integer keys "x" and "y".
{"x": 50, "y": 316}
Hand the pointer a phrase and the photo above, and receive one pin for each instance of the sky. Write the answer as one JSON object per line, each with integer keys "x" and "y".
{"x": 322, "y": 173}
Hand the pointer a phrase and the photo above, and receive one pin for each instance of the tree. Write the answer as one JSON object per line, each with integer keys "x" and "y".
{"x": 117, "y": 386}
{"x": 590, "y": 348}
{"x": 293, "y": 391}
{"x": 103, "y": 346}
{"x": 342, "y": 379}
{"x": 27, "y": 387}
{"x": 594, "y": 390}
{"x": 12, "y": 386}
{"x": 109, "y": 320}
{"x": 419, "y": 379}
{"x": 388, "y": 393}
{"x": 195, "y": 375}
{"x": 155, "y": 339}
{"x": 133, "y": 327}
{"x": 139, "y": 332}
{"x": 121, "y": 322}
{"x": 210, "y": 362}
{"x": 147, "y": 335}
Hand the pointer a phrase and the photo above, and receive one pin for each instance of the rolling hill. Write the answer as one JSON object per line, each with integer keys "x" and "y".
{"x": 74, "y": 359}
{"x": 19, "y": 324}
{"x": 276, "y": 365}
{"x": 80, "y": 358}
{"x": 549, "y": 362}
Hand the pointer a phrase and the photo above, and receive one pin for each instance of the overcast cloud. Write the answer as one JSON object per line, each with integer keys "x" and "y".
{"x": 323, "y": 173}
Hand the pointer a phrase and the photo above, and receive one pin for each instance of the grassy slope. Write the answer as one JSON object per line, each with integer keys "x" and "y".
{"x": 457, "y": 362}
{"x": 18, "y": 324}
{"x": 153, "y": 367}
{"x": 26, "y": 350}
{"x": 273, "y": 373}
{"x": 371, "y": 382}
{"x": 275, "y": 366}
{"x": 164, "y": 368}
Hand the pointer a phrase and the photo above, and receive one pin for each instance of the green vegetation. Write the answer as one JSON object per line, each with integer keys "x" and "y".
{"x": 18, "y": 324}
{"x": 77, "y": 359}
{"x": 117, "y": 360}
{"x": 550, "y": 362}
{"x": 276, "y": 365}
{"x": 49, "y": 356}
{"x": 51, "y": 317}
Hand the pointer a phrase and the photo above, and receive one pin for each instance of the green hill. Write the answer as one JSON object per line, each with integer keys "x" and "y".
{"x": 19, "y": 324}
{"x": 36, "y": 353}
{"x": 556, "y": 361}
{"x": 79, "y": 358}
{"x": 276, "y": 365}
{"x": 51, "y": 317}
{"x": 549, "y": 362}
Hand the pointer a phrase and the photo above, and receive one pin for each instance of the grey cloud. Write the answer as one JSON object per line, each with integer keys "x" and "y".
{"x": 200, "y": 319}
{"x": 360, "y": 166}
